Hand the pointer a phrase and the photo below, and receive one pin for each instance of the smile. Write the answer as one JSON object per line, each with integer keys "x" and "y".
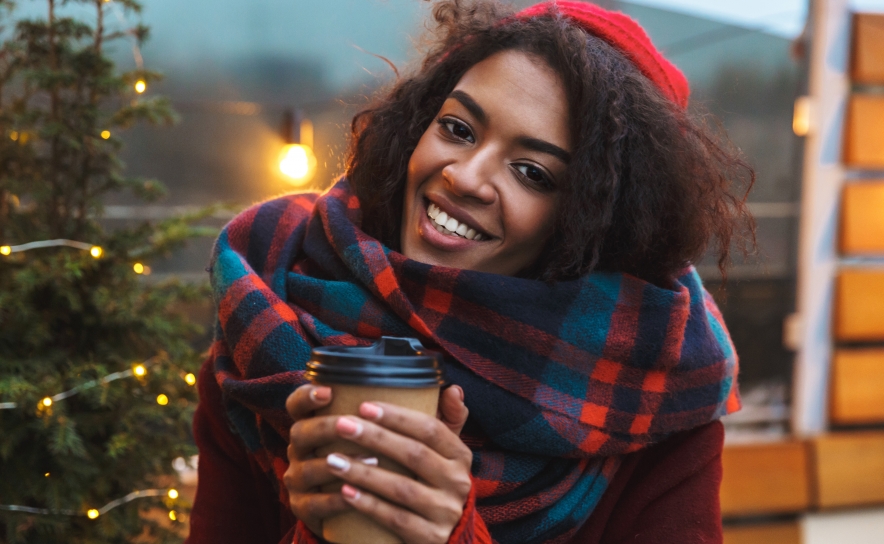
{"x": 451, "y": 226}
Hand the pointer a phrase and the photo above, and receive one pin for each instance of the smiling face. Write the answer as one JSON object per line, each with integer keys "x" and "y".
{"x": 482, "y": 182}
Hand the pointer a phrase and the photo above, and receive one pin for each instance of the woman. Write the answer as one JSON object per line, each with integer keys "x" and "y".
{"x": 528, "y": 203}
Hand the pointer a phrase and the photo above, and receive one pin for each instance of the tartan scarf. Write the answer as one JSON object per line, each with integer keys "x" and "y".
{"x": 561, "y": 379}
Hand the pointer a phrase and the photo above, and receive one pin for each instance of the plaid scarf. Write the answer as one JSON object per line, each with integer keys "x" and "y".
{"x": 560, "y": 379}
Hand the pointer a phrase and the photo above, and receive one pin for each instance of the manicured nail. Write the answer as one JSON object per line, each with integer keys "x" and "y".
{"x": 350, "y": 492}
{"x": 371, "y": 411}
{"x": 321, "y": 394}
{"x": 370, "y": 461}
{"x": 349, "y": 427}
{"x": 337, "y": 462}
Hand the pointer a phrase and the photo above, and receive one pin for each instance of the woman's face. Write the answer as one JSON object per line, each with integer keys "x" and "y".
{"x": 482, "y": 182}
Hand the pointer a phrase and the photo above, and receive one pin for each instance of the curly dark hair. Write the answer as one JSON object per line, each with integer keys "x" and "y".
{"x": 648, "y": 189}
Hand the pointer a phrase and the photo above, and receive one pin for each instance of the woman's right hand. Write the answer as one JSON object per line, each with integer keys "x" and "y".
{"x": 306, "y": 473}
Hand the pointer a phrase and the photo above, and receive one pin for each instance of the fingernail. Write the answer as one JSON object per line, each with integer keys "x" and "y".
{"x": 321, "y": 394}
{"x": 371, "y": 411}
{"x": 349, "y": 427}
{"x": 370, "y": 461}
{"x": 350, "y": 492}
{"x": 460, "y": 393}
{"x": 337, "y": 462}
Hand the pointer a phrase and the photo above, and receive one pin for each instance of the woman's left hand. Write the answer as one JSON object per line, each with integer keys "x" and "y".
{"x": 424, "y": 510}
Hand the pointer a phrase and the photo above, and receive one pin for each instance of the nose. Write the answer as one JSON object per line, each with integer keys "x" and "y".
{"x": 473, "y": 176}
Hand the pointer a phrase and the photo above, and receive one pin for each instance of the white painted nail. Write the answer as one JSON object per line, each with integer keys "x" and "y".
{"x": 370, "y": 461}
{"x": 337, "y": 462}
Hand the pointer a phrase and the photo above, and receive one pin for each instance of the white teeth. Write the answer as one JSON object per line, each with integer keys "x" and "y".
{"x": 449, "y": 225}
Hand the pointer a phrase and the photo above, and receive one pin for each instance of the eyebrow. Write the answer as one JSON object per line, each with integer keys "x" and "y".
{"x": 534, "y": 144}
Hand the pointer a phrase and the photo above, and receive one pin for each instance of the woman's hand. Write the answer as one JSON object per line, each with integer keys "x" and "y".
{"x": 306, "y": 473}
{"x": 421, "y": 511}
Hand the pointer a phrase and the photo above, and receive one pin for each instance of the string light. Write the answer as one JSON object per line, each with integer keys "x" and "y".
{"x": 13, "y": 135}
{"x": 140, "y": 86}
{"x": 96, "y": 251}
{"x": 190, "y": 378}
{"x": 173, "y": 516}
{"x": 105, "y": 134}
{"x": 162, "y": 399}
{"x": 46, "y": 475}
{"x": 5, "y": 250}
{"x": 138, "y": 370}
{"x": 138, "y": 267}
{"x": 93, "y": 513}
{"x": 173, "y": 493}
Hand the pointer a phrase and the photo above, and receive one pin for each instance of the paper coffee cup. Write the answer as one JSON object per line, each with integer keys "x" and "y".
{"x": 393, "y": 370}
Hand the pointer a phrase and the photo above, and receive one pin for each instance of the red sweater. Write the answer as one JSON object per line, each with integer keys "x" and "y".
{"x": 667, "y": 493}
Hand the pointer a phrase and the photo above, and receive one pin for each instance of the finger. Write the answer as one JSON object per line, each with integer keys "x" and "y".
{"x": 308, "y": 434}
{"x": 424, "y": 461}
{"x": 306, "y": 399}
{"x": 430, "y": 503}
{"x": 411, "y": 527}
{"x": 452, "y": 410}
{"x": 301, "y": 476}
{"x": 423, "y": 428}
{"x": 314, "y": 507}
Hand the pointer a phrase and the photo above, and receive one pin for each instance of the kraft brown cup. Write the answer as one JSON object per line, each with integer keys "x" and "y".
{"x": 423, "y": 396}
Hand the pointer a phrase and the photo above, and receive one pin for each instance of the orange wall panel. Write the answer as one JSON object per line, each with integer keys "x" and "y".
{"x": 768, "y": 533}
{"x": 764, "y": 479}
{"x": 862, "y": 217}
{"x": 859, "y": 305}
{"x": 849, "y": 469}
{"x": 867, "y": 62}
{"x": 857, "y": 386}
{"x": 864, "y": 138}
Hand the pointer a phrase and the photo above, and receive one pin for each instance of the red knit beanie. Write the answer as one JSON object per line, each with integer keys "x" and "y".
{"x": 624, "y": 34}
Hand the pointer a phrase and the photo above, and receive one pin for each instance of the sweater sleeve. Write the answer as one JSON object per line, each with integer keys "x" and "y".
{"x": 666, "y": 494}
{"x": 235, "y": 501}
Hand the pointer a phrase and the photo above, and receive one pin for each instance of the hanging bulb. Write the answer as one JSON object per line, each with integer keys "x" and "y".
{"x": 173, "y": 516}
{"x": 5, "y": 250}
{"x": 92, "y": 513}
{"x": 138, "y": 268}
{"x": 190, "y": 378}
{"x": 47, "y": 402}
{"x": 105, "y": 134}
{"x": 162, "y": 399}
{"x": 96, "y": 251}
{"x": 173, "y": 493}
{"x": 140, "y": 86}
{"x": 139, "y": 370}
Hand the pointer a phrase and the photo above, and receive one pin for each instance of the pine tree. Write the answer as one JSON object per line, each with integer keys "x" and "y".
{"x": 75, "y": 318}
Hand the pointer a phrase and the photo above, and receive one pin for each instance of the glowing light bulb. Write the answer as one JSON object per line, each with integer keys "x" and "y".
{"x": 96, "y": 251}
{"x": 190, "y": 378}
{"x": 173, "y": 516}
{"x": 298, "y": 163}
{"x": 13, "y": 135}
{"x": 47, "y": 402}
{"x": 138, "y": 268}
{"x": 105, "y": 134}
{"x": 162, "y": 399}
{"x": 5, "y": 250}
{"x": 139, "y": 370}
{"x": 173, "y": 493}
{"x": 46, "y": 475}
{"x": 140, "y": 86}
{"x": 92, "y": 513}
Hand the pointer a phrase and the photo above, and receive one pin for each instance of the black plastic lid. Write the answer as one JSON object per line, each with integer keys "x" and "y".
{"x": 389, "y": 362}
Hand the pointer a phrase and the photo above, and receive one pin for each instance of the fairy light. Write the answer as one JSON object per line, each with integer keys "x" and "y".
{"x": 138, "y": 268}
{"x": 140, "y": 86}
{"x": 173, "y": 493}
{"x": 173, "y": 516}
{"x": 93, "y": 513}
{"x": 139, "y": 370}
{"x": 190, "y": 378}
{"x": 5, "y": 250}
{"x": 105, "y": 134}
{"x": 13, "y": 135}
{"x": 47, "y": 402}
{"x": 46, "y": 475}
{"x": 96, "y": 251}
{"x": 162, "y": 399}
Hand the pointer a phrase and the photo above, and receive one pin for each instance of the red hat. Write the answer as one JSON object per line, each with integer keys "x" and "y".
{"x": 624, "y": 34}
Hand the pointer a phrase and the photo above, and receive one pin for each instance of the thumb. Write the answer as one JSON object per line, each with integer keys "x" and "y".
{"x": 452, "y": 410}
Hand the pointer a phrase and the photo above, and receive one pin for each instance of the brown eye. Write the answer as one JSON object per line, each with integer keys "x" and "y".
{"x": 457, "y": 129}
{"x": 534, "y": 175}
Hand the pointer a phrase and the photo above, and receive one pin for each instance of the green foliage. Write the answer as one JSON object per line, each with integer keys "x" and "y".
{"x": 69, "y": 320}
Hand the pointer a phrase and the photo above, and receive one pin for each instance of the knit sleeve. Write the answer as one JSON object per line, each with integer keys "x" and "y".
{"x": 667, "y": 494}
{"x": 235, "y": 502}
{"x": 470, "y": 529}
